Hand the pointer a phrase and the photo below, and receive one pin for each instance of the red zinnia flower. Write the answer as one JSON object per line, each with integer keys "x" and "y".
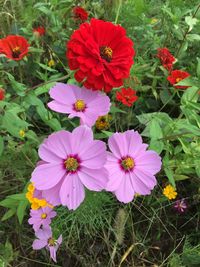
{"x": 127, "y": 96}
{"x": 101, "y": 54}
{"x": 176, "y": 76}
{"x": 39, "y": 31}
{"x": 80, "y": 13}
{"x": 14, "y": 47}
{"x": 166, "y": 58}
{"x": 2, "y": 94}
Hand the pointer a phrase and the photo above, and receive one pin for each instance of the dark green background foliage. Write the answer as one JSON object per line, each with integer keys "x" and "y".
{"x": 103, "y": 232}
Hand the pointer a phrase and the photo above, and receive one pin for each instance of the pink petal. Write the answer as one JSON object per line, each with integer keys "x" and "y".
{"x": 59, "y": 240}
{"x": 82, "y": 137}
{"x": 125, "y": 192}
{"x": 59, "y": 107}
{"x": 149, "y": 161}
{"x": 138, "y": 185}
{"x": 52, "y": 195}
{"x": 95, "y": 180}
{"x": 44, "y": 234}
{"x": 52, "y": 251}
{"x": 146, "y": 178}
{"x": 116, "y": 175}
{"x": 94, "y": 156}
{"x": 63, "y": 93}
{"x": 100, "y": 105}
{"x": 46, "y": 153}
{"x": 47, "y": 176}
{"x": 72, "y": 192}
{"x": 134, "y": 143}
{"x": 118, "y": 144}
{"x": 39, "y": 244}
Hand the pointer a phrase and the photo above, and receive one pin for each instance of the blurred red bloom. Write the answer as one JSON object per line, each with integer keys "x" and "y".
{"x": 2, "y": 94}
{"x": 80, "y": 13}
{"x": 127, "y": 96}
{"x": 39, "y": 31}
{"x": 166, "y": 58}
{"x": 101, "y": 54}
{"x": 14, "y": 47}
{"x": 176, "y": 76}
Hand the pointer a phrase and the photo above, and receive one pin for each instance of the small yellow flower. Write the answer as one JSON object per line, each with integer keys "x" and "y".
{"x": 22, "y": 133}
{"x": 51, "y": 63}
{"x": 154, "y": 20}
{"x": 170, "y": 192}
{"x": 102, "y": 123}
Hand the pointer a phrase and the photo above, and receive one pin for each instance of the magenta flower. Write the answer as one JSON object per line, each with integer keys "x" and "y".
{"x": 180, "y": 205}
{"x": 73, "y": 160}
{"x": 41, "y": 217}
{"x": 79, "y": 102}
{"x": 131, "y": 168}
{"x": 45, "y": 239}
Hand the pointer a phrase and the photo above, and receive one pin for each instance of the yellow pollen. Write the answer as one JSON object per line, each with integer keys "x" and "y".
{"x": 71, "y": 164}
{"x": 106, "y": 53}
{"x": 16, "y": 49}
{"x": 178, "y": 80}
{"x": 51, "y": 241}
{"x": 127, "y": 163}
{"x": 79, "y": 105}
{"x": 170, "y": 192}
{"x": 43, "y": 216}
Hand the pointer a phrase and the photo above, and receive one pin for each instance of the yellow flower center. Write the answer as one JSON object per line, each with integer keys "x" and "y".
{"x": 102, "y": 123}
{"x": 43, "y": 216}
{"x": 51, "y": 242}
{"x": 127, "y": 163}
{"x": 16, "y": 52}
{"x": 79, "y": 105}
{"x": 106, "y": 53}
{"x": 71, "y": 164}
{"x": 178, "y": 80}
{"x": 22, "y": 133}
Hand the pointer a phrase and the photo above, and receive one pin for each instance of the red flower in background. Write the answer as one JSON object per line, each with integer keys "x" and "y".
{"x": 14, "y": 47}
{"x": 166, "y": 58}
{"x": 2, "y": 94}
{"x": 80, "y": 13}
{"x": 101, "y": 54}
{"x": 39, "y": 31}
{"x": 176, "y": 76}
{"x": 127, "y": 96}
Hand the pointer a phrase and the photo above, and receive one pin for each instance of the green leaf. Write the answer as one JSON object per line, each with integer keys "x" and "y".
{"x": 21, "y": 209}
{"x": 190, "y": 21}
{"x": 1, "y": 145}
{"x": 8, "y": 203}
{"x": 8, "y": 214}
{"x": 114, "y": 109}
{"x": 44, "y": 89}
{"x": 17, "y": 197}
{"x": 155, "y": 130}
{"x": 198, "y": 67}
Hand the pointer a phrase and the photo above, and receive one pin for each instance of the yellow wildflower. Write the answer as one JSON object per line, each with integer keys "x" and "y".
{"x": 153, "y": 21}
{"x": 22, "y": 133}
{"x": 170, "y": 192}
{"x": 51, "y": 63}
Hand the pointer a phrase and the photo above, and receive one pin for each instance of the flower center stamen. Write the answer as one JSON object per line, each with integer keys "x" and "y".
{"x": 79, "y": 105}
{"x": 16, "y": 52}
{"x": 178, "y": 80}
{"x": 71, "y": 164}
{"x": 51, "y": 241}
{"x": 106, "y": 53}
{"x": 127, "y": 163}
{"x": 43, "y": 216}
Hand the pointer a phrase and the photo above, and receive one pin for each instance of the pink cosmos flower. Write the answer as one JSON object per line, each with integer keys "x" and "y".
{"x": 45, "y": 239}
{"x": 73, "y": 160}
{"x": 79, "y": 102}
{"x": 131, "y": 168}
{"x": 42, "y": 217}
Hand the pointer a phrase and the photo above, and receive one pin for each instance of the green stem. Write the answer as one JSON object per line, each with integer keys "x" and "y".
{"x": 20, "y": 71}
{"x": 118, "y": 10}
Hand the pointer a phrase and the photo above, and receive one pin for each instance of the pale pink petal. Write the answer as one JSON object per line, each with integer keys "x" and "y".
{"x": 94, "y": 156}
{"x": 138, "y": 185}
{"x": 63, "y": 93}
{"x": 125, "y": 192}
{"x": 100, "y": 105}
{"x": 52, "y": 251}
{"x": 134, "y": 143}
{"x": 52, "y": 195}
{"x": 82, "y": 136}
{"x": 116, "y": 175}
{"x": 59, "y": 240}
{"x": 95, "y": 180}
{"x": 39, "y": 244}
{"x": 118, "y": 144}
{"x": 47, "y": 176}
{"x": 59, "y": 107}
{"x": 44, "y": 234}
{"x": 147, "y": 178}
{"x": 72, "y": 192}
{"x": 149, "y": 161}
{"x": 48, "y": 155}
